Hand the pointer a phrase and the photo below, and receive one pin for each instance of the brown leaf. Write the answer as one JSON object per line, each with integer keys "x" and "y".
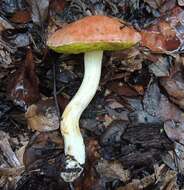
{"x": 174, "y": 86}
{"x": 138, "y": 88}
{"x": 92, "y": 148}
{"x": 160, "y": 38}
{"x": 122, "y": 89}
{"x": 42, "y": 147}
{"x": 21, "y": 16}
{"x": 57, "y": 5}
{"x": 166, "y": 34}
{"x": 43, "y": 115}
{"x": 141, "y": 184}
{"x": 23, "y": 88}
{"x": 175, "y": 132}
{"x": 167, "y": 181}
{"x": 112, "y": 170}
{"x": 130, "y": 59}
{"x": 63, "y": 101}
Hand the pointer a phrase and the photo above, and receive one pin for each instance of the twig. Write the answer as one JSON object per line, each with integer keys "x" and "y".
{"x": 71, "y": 186}
{"x": 7, "y": 150}
{"x": 54, "y": 89}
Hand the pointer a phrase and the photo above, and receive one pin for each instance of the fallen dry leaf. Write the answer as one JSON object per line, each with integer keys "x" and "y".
{"x": 43, "y": 116}
{"x": 160, "y": 67}
{"x": 23, "y": 88}
{"x": 112, "y": 170}
{"x": 181, "y": 2}
{"x": 43, "y": 146}
{"x": 175, "y": 132}
{"x": 122, "y": 89}
{"x": 4, "y": 24}
{"x": 159, "y": 107}
{"x": 165, "y": 35}
{"x": 160, "y": 38}
{"x": 7, "y": 150}
{"x": 39, "y": 10}
{"x": 141, "y": 184}
{"x": 174, "y": 86}
{"x": 21, "y": 17}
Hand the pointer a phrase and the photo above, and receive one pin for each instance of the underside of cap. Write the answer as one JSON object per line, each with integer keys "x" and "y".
{"x": 76, "y": 48}
{"x": 93, "y": 33}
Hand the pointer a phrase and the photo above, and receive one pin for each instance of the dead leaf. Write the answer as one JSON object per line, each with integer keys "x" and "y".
{"x": 93, "y": 150}
{"x": 113, "y": 133}
{"x": 20, "y": 153}
{"x": 161, "y": 5}
{"x": 174, "y": 86}
{"x": 57, "y": 5}
{"x": 6, "y": 50}
{"x": 160, "y": 68}
{"x": 21, "y": 16}
{"x": 159, "y": 107}
{"x": 180, "y": 2}
{"x": 165, "y": 35}
{"x": 7, "y": 150}
{"x": 23, "y": 88}
{"x": 39, "y": 10}
{"x": 151, "y": 99}
{"x": 43, "y": 146}
{"x": 43, "y": 116}
{"x": 169, "y": 111}
{"x": 154, "y": 3}
{"x": 4, "y": 24}
{"x": 130, "y": 59}
{"x": 122, "y": 89}
{"x": 167, "y": 181}
{"x": 160, "y": 38}
{"x": 112, "y": 170}
{"x": 175, "y": 132}
{"x": 141, "y": 184}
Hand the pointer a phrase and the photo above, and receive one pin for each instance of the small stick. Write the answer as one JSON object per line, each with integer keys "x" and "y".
{"x": 54, "y": 89}
{"x": 71, "y": 186}
{"x": 7, "y": 150}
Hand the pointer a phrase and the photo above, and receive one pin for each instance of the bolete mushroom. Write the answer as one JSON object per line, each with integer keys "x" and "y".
{"x": 91, "y": 36}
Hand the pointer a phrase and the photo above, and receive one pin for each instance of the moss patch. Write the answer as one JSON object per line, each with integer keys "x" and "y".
{"x": 86, "y": 47}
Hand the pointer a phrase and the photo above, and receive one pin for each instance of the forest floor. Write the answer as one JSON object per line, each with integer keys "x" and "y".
{"x": 134, "y": 127}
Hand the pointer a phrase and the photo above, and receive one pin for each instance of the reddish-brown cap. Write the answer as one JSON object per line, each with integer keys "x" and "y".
{"x": 93, "y": 33}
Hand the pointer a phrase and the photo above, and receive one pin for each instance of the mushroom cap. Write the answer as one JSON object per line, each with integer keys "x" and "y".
{"x": 93, "y": 33}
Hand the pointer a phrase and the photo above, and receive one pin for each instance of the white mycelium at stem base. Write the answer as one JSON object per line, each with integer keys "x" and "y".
{"x": 73, "y": 141}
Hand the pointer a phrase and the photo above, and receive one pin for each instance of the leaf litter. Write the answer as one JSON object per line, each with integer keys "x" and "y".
{"x": 133, "y": 128}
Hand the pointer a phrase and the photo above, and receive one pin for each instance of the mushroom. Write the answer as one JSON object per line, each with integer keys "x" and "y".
{"x": 91, "y": 36}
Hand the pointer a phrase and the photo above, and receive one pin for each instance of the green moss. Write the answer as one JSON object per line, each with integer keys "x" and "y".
{"x": 86, "y": 47}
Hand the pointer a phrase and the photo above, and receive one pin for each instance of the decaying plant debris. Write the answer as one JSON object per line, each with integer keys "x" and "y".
{"x": 133, "y": 128}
